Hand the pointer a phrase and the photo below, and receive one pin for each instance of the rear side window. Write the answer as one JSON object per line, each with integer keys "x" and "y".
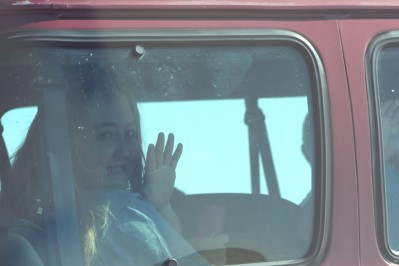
{"x": 248, "y": 186}
{"x": 383, "y": 77}
{"x": 16, "y": 123}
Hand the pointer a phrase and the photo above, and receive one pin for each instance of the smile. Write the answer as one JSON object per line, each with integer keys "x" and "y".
{"x": 116, "y": 169}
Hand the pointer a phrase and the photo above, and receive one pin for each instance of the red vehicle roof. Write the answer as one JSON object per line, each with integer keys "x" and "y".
{"x": 207, "y": 4}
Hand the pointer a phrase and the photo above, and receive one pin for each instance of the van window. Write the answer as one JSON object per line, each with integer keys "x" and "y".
{"x": 388, "y": 91}
{"x": 245, "y": 182}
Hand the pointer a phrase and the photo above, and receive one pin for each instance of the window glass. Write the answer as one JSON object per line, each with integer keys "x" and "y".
{"x": 229, "y": 144}
{"x": 243, "y": 188}
{"x": 388, "y": 90}
{"x": 16, "y": 123}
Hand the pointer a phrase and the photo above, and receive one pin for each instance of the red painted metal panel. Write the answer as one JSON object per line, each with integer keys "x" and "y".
{"x": 356, "y": 37}
{"x": 343, "y": 246}
{"x": 211, "y": 4}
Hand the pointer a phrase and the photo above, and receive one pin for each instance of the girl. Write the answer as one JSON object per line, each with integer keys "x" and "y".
{"x": 126, "y": 216}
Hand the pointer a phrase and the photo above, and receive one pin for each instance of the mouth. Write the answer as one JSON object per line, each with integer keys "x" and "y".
{"x": 116, "y": 170}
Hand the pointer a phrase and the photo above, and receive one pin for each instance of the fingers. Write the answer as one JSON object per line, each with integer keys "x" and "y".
{"x": 159, "y": 149}
{"x": 168, "y": 149}
{"x": 163, "y": 154}
{"x": 176, "y": 155}
{"x": 150, "y": 163}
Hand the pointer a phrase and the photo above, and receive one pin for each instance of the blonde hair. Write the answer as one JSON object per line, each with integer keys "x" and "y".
{"x": 98, "y": 218}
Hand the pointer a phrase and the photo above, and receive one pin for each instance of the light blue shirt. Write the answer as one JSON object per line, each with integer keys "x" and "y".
{"x": 136, "y": 234}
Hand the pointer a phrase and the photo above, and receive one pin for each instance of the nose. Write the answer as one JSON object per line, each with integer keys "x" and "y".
{"x": 123, "y": 148}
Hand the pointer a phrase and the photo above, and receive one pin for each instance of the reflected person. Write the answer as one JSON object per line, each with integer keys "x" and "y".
{"x": 126, "y": 217}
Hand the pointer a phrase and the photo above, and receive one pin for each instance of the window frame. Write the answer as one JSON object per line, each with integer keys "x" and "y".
{"x": 320, "y": 105}
{"x": 381, "y": 41}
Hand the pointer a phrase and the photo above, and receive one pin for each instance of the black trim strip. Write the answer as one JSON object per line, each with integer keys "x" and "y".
{"x": 170, "y": 13}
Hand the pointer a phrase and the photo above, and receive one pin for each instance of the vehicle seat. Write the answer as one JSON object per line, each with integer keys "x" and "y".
{"x": 255, "y": 224}
{"x": 22, "y": 243}
{"x": 15, "y": 250}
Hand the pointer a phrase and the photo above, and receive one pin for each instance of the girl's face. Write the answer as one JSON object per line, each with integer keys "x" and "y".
{"x": 107, "y": 150}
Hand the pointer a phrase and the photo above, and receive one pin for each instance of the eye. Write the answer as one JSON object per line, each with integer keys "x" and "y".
{"x": 104, "y": 135}
{"x": 130, "y": 134}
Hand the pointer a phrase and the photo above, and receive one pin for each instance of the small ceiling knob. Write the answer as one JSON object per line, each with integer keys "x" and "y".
{"x": 138, "y": 51}
{"x": 170, "y": 262}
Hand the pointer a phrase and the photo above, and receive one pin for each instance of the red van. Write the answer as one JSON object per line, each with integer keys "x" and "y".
{"x": 288, "y": 112}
